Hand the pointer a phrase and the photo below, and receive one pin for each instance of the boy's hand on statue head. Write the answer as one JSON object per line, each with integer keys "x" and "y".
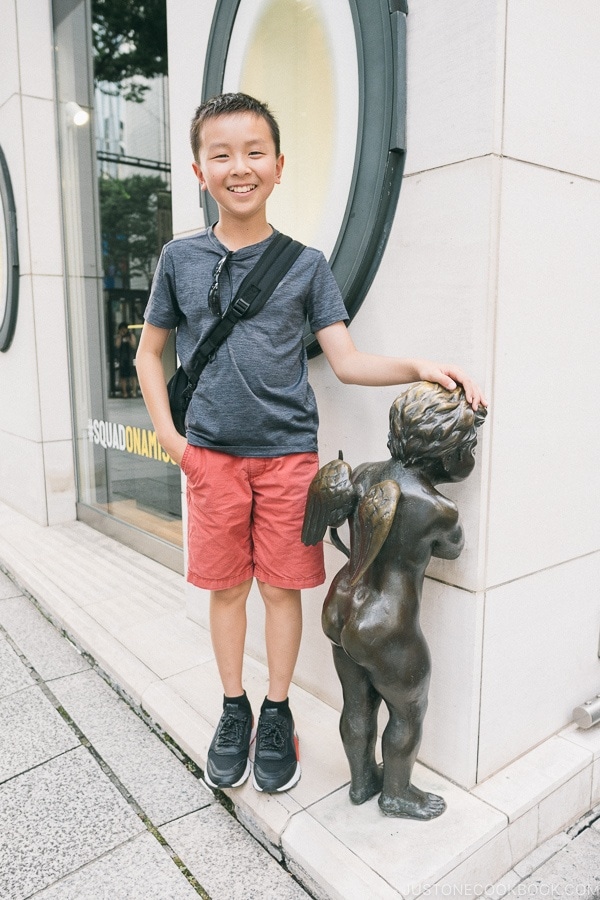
{"x": 449, "y": 376}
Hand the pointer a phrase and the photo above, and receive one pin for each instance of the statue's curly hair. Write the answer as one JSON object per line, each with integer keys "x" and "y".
{"x": 428, "y": 421}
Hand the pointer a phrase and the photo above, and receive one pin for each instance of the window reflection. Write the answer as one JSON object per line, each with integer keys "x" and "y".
{"x": 117, "y": 203}
{"x": 131, "y": 133}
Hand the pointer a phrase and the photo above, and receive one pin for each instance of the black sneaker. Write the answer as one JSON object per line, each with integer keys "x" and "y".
{"x": 227, "y": 764}
{"x": 276, "y": 760}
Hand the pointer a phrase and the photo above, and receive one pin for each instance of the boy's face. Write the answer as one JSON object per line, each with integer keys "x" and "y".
{"x": 237, "y": 162}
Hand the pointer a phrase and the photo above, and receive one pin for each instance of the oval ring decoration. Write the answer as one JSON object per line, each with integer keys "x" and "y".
{"x": 9, "y": 258}
{"x": 376, "y": 151}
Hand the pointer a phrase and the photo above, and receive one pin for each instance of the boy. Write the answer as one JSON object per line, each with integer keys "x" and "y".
{"x": 251, "y": 447}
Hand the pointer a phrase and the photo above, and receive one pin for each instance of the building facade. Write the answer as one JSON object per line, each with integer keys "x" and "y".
{"x": 490, "y": 262}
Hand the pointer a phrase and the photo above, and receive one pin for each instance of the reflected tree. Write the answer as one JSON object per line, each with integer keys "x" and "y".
{"x": 130, "y": 211}
{"x": 130, "y": 39}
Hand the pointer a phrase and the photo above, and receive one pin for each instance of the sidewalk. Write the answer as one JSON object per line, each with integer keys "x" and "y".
{"x": 93, "y": 804}
{"x": 125, "y": 615}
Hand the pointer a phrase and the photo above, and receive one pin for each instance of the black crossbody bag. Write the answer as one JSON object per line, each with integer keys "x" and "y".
{"x": 251, "y": 296}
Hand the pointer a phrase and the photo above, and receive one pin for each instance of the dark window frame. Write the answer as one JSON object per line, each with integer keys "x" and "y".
{"x": 9, "y": 212}
{"x": 380, "y": 32}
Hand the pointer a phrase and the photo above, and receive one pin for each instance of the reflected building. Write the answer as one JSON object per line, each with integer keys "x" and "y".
{"x": 117, "y": 218}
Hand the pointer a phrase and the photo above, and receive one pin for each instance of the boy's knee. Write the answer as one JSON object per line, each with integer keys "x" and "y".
{"x": 237, "y": 593}
{"x": 272, "y": 594}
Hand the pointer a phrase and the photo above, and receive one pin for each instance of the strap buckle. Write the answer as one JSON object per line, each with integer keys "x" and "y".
{"x": 190, "y": 388}
{"x": 240, "y": 307}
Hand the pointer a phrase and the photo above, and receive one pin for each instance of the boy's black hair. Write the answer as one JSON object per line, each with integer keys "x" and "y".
{"x": 224, "y": 104}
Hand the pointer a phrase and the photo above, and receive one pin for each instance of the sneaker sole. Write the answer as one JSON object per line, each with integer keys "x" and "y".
{"x": 223, "y": 784}
{"x": 285, "y": 787}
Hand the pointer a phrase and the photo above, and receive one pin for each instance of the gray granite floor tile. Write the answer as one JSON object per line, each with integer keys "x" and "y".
{"x": 574, "y": 871}
{"x": 7, "y": 587}
{"x": 227, "y": 861}
{"x": 50, "y": 654}
{"x": 13, "y": 674}
{"x": 537, "y": 857}
{"x": 31, "y": 732}
{"x": 57, "y": 818}
{"x": 139, "y": 870}
{"x": 501, "y": 888}
{"x": 154, "y": 776}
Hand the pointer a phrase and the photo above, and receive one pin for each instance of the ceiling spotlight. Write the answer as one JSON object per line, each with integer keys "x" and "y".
{"x": 76, "y": 115}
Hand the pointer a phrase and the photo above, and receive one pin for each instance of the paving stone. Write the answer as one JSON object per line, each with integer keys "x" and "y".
{"x": 139, "y": 870}
{"x": 501, "y": 888}
{"x": 7, "y": 587}
{"x": 48, "y": 651}
{"x": 574, "y": 871}
{"x": 539, "y": 856}
{"x": 227, "y": 861}
{"x": 154, "y": 776}
{"x": 13, "y": 674}
{"x": 31, "y": 732}
{"x": 56, "y": 818}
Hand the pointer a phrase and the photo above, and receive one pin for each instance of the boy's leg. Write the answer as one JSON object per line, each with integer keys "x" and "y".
{"x": 283, "y": 630}
{"x": 227, "y": 764}
{"x": 282, "y": 566}
{"x": 228, "y": 634}
{"x": 276, "y": 758}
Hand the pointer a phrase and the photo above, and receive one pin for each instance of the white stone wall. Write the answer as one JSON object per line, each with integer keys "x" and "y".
{"x": 542, "y": 606}
{"x": 492, "y": 264}
{"x": 36, "y": 455}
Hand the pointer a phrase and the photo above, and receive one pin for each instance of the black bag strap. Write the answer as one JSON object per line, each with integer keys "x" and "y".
{"x": 251, "y": 296}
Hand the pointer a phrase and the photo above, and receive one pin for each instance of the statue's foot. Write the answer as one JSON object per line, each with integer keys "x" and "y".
{"x": 412, "y": 804}
{"x": 365, "y": 787}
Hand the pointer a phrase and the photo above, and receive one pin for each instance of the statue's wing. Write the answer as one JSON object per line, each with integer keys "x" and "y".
{"x": 374, "y": 517}
{"x": 331, "y": 499}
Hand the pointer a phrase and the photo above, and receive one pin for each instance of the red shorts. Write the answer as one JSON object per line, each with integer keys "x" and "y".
{"x": 245, "y": 519}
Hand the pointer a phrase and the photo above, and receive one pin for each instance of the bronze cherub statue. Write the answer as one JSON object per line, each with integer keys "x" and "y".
{"x": 397, "y": 521}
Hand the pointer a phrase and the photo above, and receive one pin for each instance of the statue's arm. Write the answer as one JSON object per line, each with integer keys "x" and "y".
{"x": 449, "y": 538}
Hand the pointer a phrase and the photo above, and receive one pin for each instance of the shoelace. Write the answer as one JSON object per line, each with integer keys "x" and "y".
{"x": 272, "y": 735}
{"x": 230, "y": 733}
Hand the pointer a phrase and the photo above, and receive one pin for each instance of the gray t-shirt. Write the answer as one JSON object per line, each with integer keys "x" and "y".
{"x": 254, "y": 398}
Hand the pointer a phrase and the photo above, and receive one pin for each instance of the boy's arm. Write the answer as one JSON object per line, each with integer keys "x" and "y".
{"x": 154, "y": 389}
{"x": 354, "y": 367}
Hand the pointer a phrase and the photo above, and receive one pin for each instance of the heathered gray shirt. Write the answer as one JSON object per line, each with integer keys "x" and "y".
{"x": 254, "y": 398}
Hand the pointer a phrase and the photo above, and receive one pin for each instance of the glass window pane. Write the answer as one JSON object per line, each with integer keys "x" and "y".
{"x": 117, "y": 200}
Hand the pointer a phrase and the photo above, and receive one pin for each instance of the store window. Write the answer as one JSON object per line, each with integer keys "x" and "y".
{"x": 334, "y": 74}
{"x": 112, "y": 86}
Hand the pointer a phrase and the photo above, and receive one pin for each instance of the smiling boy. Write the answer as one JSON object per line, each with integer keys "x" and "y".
{"x": 251, "y": 447}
